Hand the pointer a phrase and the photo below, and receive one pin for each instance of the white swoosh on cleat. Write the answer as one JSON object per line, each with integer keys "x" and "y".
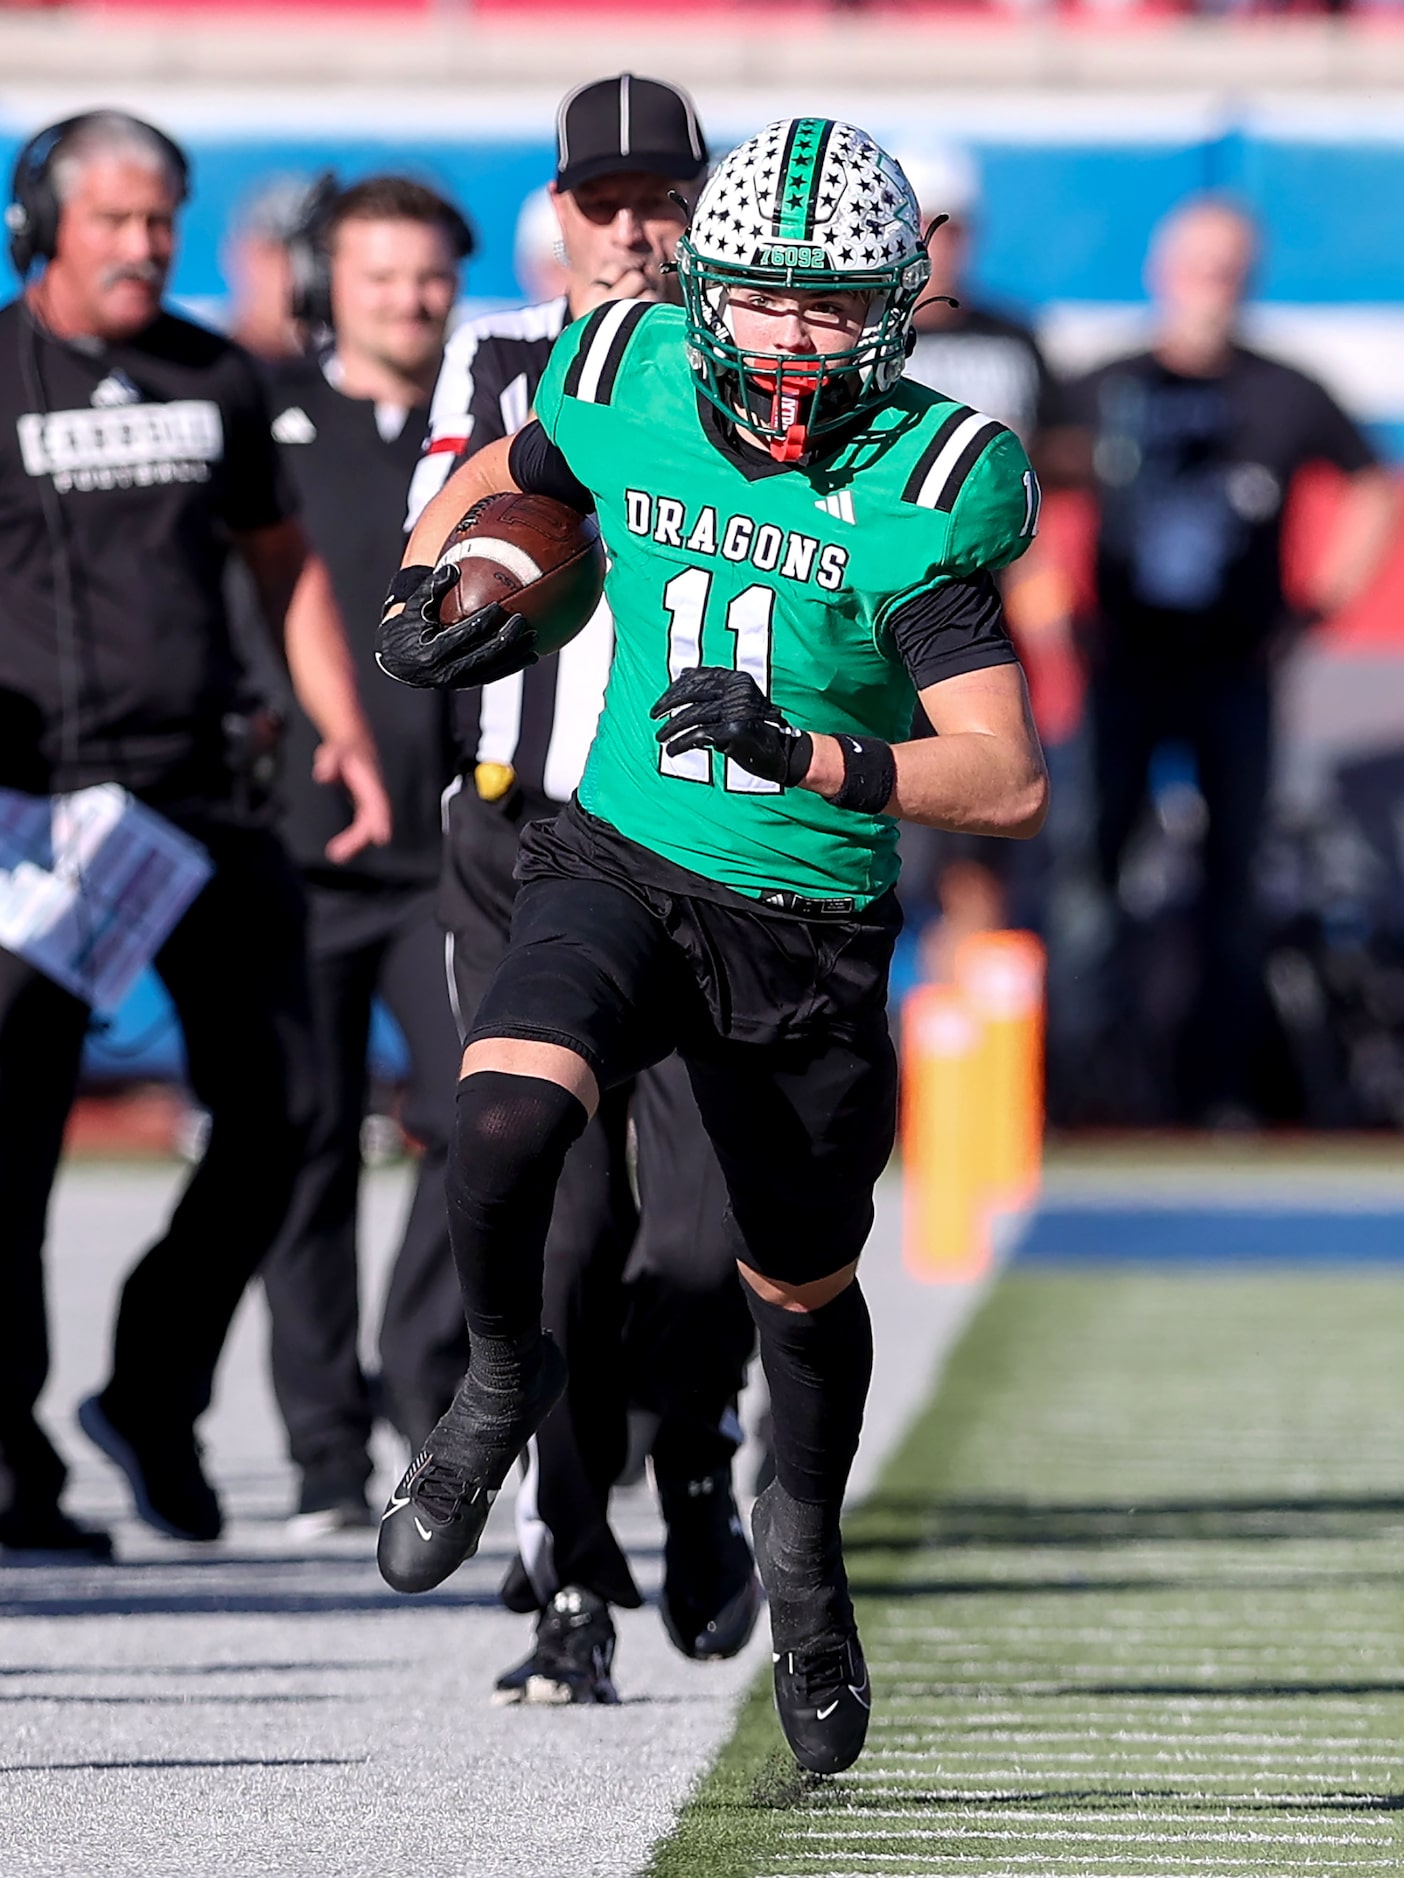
{"x": 394, "y": 1507}
{"x": 862, "y": 1695}
{"x": 825, "y": 1713}
{"x": 422, "y": 1529}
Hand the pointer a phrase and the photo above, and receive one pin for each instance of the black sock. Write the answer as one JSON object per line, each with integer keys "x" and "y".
{"x": 818, "y": 1365}
{"x": 511, "y": 1137}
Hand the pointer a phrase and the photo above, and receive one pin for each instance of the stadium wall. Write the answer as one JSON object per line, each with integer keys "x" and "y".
{"x": 1072, "y": 187}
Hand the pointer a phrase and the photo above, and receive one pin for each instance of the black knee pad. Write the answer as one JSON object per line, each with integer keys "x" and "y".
{"x": 511, "y": 1137}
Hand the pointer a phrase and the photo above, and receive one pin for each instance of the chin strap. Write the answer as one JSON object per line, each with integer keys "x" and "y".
{"x": 786, "y": 395}
{"x": 792, "y": 446}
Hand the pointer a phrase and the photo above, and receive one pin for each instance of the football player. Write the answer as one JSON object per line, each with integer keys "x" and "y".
{"x": 802, "y": 544}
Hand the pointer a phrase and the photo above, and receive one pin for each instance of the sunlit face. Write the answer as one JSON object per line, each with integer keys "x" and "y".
{"x": 619, "y": 230}
{"x": 804, "y": 323}
{"x": 116, "y": 240}
{"x": 393, "y": 285}
{"x": 1201, "y": 263}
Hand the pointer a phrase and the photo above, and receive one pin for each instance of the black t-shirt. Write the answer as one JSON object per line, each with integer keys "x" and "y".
{"x": 351, "y": 477}
{"x": 124, "y": 472}
{"x": 1193, "y": 475}
{"x": 992, "y": 363}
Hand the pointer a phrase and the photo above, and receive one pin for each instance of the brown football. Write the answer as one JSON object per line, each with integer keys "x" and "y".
{"x": 534, "y": 556}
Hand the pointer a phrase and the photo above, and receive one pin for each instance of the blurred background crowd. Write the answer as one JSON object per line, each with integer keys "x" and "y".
{"x": 1193, "y": 312}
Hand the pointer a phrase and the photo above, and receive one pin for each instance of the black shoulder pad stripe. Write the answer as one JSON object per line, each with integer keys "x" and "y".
{"x": 605, "y": 340}
{"x": 966, "y": 462}
{"x": 618, "y": 347}
{"x": 951, "y": 421}
{"x": 587, "y": 338}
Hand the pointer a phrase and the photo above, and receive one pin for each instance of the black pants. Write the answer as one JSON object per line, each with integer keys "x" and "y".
{"x": 641, "y": 1293}
{"x": 1225, "y": 718}
{"x": 365, "y": 940}
{"x": 234, "y": 967}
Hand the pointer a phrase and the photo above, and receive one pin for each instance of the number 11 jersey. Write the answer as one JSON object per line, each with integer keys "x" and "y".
{"x": 793, "y": 572}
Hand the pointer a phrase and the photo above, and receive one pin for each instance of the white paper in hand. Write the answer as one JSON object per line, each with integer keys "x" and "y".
{"x": 90, "y": 885}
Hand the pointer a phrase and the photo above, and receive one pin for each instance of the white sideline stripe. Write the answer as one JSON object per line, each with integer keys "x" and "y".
{"x": 1305, "y": 1783}
{"x": 1026, "y": 1721}
{"x": 1132, "y": 1815}
{"x": 939, "y": 474}
{"x": 883, "y": 1787}
{"x": 1091, "y": 1838}
{"x": 1180, "y": 1860}
{"x": 598, "y": 355}
{"x": 1049, "y": 1737}
{"x": 1075, "y": 1757}
{"x": 517, "y": 561}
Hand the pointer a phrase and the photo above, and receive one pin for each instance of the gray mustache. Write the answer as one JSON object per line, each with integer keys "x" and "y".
{"x": 148, "y": 273}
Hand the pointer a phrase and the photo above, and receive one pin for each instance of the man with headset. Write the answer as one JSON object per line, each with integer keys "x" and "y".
{"x": 376, "y": 265}
{"x": 134, "y": 455}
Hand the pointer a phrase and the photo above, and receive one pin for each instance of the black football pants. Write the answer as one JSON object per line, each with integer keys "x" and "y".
{"x": 367, "y": 940}
{"x": 641, "y": 1294}
{"x": 234, "y": 967}
{"x": 1225, "y": 718}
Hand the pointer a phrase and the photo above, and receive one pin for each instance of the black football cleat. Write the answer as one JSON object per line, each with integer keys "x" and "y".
{"x": 162, "y": 1463}
{"x": 711, "y": 1595}
{"x": 436, "y": 1515}
{"x": 572, "y": 1657}
{"x": 822, "y": 1694}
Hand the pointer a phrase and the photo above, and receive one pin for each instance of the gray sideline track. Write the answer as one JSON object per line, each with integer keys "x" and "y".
{"x": 255, "y": 1707}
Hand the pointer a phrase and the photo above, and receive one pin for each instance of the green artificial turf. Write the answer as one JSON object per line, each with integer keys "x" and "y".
{"x": 1132, "y": 1593}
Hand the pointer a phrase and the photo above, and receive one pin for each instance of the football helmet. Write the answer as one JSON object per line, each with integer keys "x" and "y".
{"x": 807, "y": 204}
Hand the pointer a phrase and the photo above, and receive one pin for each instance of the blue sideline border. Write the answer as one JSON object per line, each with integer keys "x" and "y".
{"x": 1211, "y": 1235}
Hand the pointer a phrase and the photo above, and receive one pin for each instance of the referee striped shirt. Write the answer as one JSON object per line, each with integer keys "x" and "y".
{"x": 540, "y": 721}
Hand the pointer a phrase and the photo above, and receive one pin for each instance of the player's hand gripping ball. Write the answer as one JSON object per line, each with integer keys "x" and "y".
{"x": 518, "y": 577}
{"x": 710, "y": 708}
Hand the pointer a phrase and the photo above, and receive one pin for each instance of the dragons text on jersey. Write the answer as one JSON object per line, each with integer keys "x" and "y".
{"x": 773, "y": 550}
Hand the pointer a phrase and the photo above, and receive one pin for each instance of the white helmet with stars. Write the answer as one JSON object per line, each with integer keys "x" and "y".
{"x": 808, "y": 204}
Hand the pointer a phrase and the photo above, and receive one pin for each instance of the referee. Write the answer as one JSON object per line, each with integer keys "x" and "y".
{"x": 624, "y": 144}
{"x": 379, "y": 264}
{"x": 134, "y": 454}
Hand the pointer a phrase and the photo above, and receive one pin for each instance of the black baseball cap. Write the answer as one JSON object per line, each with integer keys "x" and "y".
{"x": 627, "y": 123}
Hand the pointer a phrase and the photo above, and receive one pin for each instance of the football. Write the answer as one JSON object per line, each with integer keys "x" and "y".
{"x": 535, "y": 557}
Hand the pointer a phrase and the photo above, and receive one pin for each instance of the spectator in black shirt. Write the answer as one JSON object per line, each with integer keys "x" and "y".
{"x": 1192, "y": 447}
{"x": 134, "y": 456}
{"x": 349, "y": 428}
{"x": 974, "y": 352}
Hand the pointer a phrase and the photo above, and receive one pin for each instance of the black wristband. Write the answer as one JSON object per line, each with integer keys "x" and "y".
{"x": 403, "y": 583}
{"x": 869, "y": 775}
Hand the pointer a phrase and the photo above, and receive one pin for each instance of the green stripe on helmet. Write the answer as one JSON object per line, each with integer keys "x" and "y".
{"x": 799, "y": 188}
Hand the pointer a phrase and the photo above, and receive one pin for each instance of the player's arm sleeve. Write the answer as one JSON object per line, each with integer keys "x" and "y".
{"x": 258, "y": 491}
{"x": 956, "y": 627}
{"x": 539, "y": 468}
{"x": 995, "y": 516}
{"x": 450, "y": 423}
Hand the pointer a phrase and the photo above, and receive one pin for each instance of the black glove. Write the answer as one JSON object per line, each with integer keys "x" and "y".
{"x": 709, "y": 708}
{"x": 415, "y": 647}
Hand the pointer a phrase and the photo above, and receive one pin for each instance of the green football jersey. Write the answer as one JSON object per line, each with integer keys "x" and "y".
{"x": 790, "y": 573}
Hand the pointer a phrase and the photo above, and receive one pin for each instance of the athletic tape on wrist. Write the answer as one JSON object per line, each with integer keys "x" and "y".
{"x": 798, "y": 759}
{"x": 403, "y": 583}
{"x": 869, "y": 775}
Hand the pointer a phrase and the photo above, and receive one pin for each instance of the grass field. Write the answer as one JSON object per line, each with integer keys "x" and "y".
{"x": 1132, "y": 1593}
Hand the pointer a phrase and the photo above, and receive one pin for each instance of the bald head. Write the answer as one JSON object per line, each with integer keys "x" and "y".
{"x": 1201, "y": 258}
